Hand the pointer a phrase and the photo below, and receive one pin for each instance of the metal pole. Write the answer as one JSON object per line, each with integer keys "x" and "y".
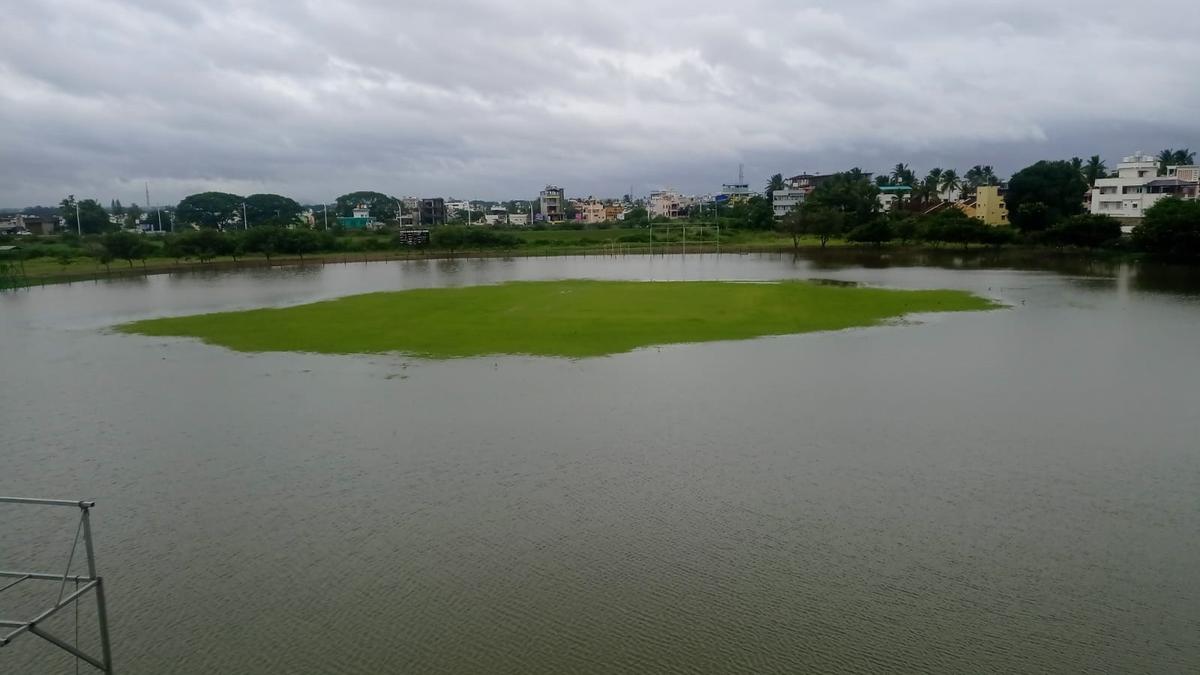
{"x": 62, "y": 644}
{"x": 245, "y": 222}
{"x": 48, "y": 502}
{"x": 326, "y": 216}
{"x": 101, "y": 606}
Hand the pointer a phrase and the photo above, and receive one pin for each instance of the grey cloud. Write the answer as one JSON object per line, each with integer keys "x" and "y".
{"x": 493, "y": 98}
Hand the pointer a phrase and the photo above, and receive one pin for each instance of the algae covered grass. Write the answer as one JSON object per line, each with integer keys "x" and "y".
{"x": 555, "y": 318}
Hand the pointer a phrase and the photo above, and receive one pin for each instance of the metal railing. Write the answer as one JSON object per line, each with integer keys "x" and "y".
{"x": 90, "y": 582}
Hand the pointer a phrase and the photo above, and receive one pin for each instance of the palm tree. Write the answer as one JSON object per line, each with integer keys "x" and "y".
{"x": 1094, "y": 169}
{"x": 949, "y": 182}
{"x": 1183, "y": 157}
{"x": 902, "y": 175}
{"x": 929, "y": 187}
{"x": 989, "y": 176}
{"x": 882, "y": 180}
{"x": 1165, "y": 159}
{"x": 1077, "y": 164}
{"x": 775, "y": 183}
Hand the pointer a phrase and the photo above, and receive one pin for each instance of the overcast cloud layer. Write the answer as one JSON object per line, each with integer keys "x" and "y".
{"x": 487, "y": 100}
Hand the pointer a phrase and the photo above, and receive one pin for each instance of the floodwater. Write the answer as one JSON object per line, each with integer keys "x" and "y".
{"x": 1007, "y": 491}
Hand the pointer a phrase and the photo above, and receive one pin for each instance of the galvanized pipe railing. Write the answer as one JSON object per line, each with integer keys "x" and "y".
{"x": 91, "y": 582}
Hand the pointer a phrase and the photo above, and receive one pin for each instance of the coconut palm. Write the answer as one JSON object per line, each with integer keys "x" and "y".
{"x": 1183, "y": 157}
{"x": 1165, "y": 158}
{"x": 928, "y": 189}
{"x": 1094, "y": 169}
{"x": 775, "y": 183}
{"x": 1077, "y": 164}
{"x": 949, "y": 182}
{"x": 902, "y": 175}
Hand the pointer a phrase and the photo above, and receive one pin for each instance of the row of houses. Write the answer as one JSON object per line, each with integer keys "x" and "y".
{"x": 1125, "y": 195}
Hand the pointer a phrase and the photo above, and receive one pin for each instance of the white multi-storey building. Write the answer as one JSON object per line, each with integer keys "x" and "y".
{"x": 497, "y": 215}
{"x": 1137, "y": 186}
{"x": 783, "y": 201}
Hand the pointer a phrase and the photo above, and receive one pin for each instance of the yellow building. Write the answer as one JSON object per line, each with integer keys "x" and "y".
{"x": 990, "y": 206}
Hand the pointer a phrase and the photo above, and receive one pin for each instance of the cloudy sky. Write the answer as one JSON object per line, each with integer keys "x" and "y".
{"x": 495, "y": 98}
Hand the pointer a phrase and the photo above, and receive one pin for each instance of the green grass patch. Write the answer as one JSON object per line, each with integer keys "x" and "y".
{"x": 555, "y": 318}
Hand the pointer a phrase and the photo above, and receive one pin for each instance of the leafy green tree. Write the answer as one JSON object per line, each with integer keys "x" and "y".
{"x": 85, "y": 214}
{"x": 1043, "y": 194}
{"x": 153, "y": 218}
{"x": 1170, "y": 229}
{"x": 382, "y": 207}
{"x": 300, "y": 242}
{"x": 637, "y": 217}
{"x": 449, "y": 237}
{"x": 1094, "y": 170}
{"x": 209, "y": 209}
{"x": 757, "y": 213}
{"x": 126, "y": 246}
{"x": 851, "y": 193}
{"x": 1077, "y": 164}
{"x": 815, "y": 220}
{"x": 204, "y": 245}
{"x": 133, "y": 216}
{"x": 264, "y": 239}
{"x": 272, "y": 209}
{"x": 877, "y": 231}
{"x": 115, "y": 208}
{"x": 906, "y": 229}
{"x": 956, "y": 227}
{"x": 1085, "y": 230}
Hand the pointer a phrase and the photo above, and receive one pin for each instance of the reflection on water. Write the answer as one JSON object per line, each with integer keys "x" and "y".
{"x": 1004, "y": 491}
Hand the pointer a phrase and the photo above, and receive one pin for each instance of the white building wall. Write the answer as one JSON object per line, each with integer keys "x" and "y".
{"x": 783, "y": 201}
{"x": 1126, "y": 196}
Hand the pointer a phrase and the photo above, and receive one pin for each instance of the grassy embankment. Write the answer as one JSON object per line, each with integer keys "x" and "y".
{"x": 533, "y": 243}
{"x": 559, "y": 318}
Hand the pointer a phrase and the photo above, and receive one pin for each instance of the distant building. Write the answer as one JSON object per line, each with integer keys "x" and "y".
{"x": 891, "y": 195}
{"x": 990, "y": 206}
{"x": 665, "y": 204}
{"x": 431, "y": 211}
{"x": 520, "y": 219}
{"x": 359, "y": 220}
{"x": 592, "y": 211}
{"x": 1137, "y": 186}
{"x": 807, "y": 182}
{"x": 553, "y": 204}
{"x": 783, "y": 201}
{"x": 497, "y": 215}
{"x": 736, "y": 191}
{"x": 612, "y": 212}
{"x": 1189, "y": 173}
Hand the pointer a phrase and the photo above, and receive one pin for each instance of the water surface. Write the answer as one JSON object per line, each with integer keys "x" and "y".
{"x": 1002, "y": 491}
